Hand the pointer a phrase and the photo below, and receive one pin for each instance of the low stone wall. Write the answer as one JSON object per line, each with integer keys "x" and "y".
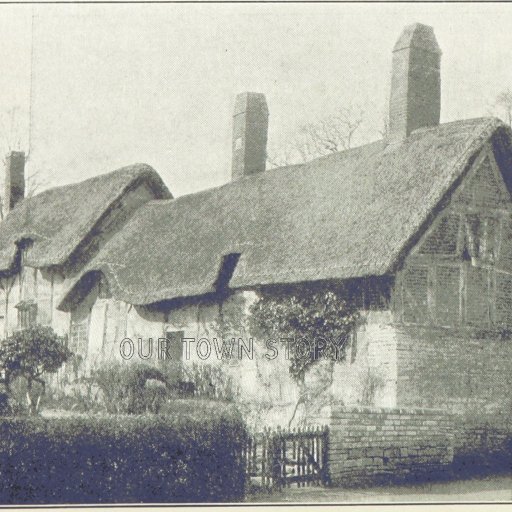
{"x": 376, "y": 445}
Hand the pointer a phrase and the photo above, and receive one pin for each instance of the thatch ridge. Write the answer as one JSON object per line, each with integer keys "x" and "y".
{"x": 347, "y": 215}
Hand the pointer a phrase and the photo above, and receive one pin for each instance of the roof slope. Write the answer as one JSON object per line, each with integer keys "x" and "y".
{"x": 58, "y": 219}
{"x": 350, "y": 214}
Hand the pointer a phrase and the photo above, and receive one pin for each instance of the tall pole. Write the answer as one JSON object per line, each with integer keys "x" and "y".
{"x": 31, "y": 86}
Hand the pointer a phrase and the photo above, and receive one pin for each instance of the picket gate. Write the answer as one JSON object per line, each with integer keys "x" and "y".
{"x": 282, "y": 457}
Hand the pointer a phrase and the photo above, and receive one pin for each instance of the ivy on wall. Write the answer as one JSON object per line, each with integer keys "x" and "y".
{"x": 320, "y": 316}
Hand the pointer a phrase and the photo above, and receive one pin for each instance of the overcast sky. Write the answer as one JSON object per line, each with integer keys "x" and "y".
{"x": 118, "y": 84}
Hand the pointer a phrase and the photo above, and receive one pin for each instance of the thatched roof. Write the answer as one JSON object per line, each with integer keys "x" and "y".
{"x": 351, "y": 214}
{"x": 59, "y": 219}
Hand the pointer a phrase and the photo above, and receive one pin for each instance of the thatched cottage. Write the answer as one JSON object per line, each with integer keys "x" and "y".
{"x": 46, "y": 240}
{"x": 417, "y": 226}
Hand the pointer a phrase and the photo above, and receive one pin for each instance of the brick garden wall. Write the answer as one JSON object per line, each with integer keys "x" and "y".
{"x": 482, "y": 441}
{"x": 443, "y": 368}
{"x": 383, "y": 445}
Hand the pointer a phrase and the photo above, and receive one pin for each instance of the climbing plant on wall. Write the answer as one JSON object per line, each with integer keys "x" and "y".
{"x": 316, "y": 322}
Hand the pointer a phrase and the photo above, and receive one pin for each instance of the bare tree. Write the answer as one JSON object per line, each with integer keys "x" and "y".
{"x": 334, "y": 133}
{"x": 503, "y": 105}
{"x": 11, "y": 140}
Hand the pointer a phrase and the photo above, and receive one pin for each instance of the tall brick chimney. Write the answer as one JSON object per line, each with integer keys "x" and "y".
{"x": 14, "y": 180}
{"x": 250, "y": 127}
{"x": 415, "y": 100}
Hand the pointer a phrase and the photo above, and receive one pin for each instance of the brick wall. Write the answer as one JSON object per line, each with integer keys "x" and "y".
{"x": 443, "y": 368}
{"x": 377, "y": 444}
{"x": 482, "y": 441}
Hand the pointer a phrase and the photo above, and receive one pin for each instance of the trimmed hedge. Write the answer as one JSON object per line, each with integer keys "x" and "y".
{"x": 121, "y": 459}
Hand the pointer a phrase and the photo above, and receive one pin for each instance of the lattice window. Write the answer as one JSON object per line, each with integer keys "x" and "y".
{"x": 481, "y": 241}
{"x": 78, "y": 338}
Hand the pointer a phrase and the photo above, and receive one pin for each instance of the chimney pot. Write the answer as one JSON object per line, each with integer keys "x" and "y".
{"x": 250, "y": 129}
{"x": 14, "y": 179}
{"x": 415, "y": 100}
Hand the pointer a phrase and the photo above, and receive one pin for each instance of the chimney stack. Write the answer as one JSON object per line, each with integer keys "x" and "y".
{"x": 14, "y": 180}
{"x": 415, "y": 100}
{"x": 250, "y": 127}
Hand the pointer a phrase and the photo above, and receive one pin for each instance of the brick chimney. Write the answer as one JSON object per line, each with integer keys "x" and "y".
{"x": 415, "y": 100}
{"x": 14, "y": 180}
{"x": 250, "y": 127}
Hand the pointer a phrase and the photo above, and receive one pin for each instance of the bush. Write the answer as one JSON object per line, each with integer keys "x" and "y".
{"x": 122, "y": 459}
{"x": 131, "y": 388}
{"x": 211, "y": 381}
{"x": 10, "y": 407}
{"x": 83, "y": 395}
{"x": 29, "y": 355}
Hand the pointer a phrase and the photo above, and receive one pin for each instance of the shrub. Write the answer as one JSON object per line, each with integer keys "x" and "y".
{"x": 30, "y": 354}
{"x": 131, "y": 388}
{"x": 8, "y": 406}
{"x": 122, "y": 459}
{"x": 211, "y": 381}
{"x": 83, "y": 395}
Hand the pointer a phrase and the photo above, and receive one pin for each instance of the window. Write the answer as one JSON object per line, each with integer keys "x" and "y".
{"x": 480, "y": 239}
{"x": 78, "y": 337}
{"x": 174, "y": 345}
{"x": 27, "y": 314}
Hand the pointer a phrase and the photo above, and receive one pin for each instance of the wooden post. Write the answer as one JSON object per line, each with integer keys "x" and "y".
{"x": 275, "y": 446}
{"x": 325, "y": 457}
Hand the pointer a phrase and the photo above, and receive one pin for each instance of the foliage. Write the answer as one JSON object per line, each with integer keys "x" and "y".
{"x": 211, "y": 381}
{"x": 83, "y": 395}
{"x": 122, "y": 459}
{"x": 9, "y": 406}
{"x": 30, "y": 354}
{"x": 131, "y": 388}
{"x": 314, "y": 315}
{"x": 199, "y": 408}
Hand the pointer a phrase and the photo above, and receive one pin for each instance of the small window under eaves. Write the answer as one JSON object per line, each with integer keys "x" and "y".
{"x": 227, "y": 268}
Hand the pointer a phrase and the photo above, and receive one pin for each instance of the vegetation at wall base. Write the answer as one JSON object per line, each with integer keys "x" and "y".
{"x": 122, "y": 459}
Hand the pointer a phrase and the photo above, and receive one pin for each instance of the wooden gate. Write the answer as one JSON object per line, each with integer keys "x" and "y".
{"x": 283, "y": 457}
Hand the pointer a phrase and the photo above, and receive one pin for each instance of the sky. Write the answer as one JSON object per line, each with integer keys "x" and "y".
{"x": 86, "y": 89}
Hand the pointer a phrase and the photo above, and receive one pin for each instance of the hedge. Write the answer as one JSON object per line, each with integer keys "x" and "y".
{"x": 121, "y": 459}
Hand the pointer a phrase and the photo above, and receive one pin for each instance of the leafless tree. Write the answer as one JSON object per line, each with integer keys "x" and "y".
{"x": 331, "y": 134}
{"x": 11, "y": 140}
{"x": 503, "y": 105}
